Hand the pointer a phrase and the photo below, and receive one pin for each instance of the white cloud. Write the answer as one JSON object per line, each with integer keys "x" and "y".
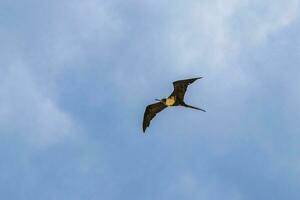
{"x": 80, "y": 25}
{"x": 187, "y": 186}
{"x": 28, "y": 112}
{"x": 260, "y": 19}
{"x": 27, "y": 91}
{"x": 213, "y": 33}
{"x": 201, "y": 33}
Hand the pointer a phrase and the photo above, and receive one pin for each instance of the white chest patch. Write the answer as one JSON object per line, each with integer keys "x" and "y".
{"x": 170, "y": 101}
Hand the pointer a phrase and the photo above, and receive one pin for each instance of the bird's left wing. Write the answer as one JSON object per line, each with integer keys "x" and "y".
{"x": 150, "y": 112}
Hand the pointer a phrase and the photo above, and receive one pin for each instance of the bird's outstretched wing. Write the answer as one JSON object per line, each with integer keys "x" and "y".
{"x": 181, "y": 86}
{"x": 150, "y": 112}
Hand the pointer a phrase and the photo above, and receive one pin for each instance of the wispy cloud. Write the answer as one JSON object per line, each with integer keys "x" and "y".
{"x": 28, "y": 111}
{"x": 187, "y": 186}
{"x": 78, "y": 28}
{"x": 87, "y": 69}
{"x": 214, "y": 33}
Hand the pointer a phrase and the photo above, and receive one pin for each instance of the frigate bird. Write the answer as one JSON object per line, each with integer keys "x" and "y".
{"x": 175, "y": 99}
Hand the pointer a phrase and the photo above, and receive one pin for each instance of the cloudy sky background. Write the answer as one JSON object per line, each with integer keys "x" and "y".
{"x": 75, "y": 77}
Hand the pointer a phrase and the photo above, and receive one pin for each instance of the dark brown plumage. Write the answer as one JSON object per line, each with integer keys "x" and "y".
{"x": 175, "y": 99}
{"x": 150, "y": 112}
{"x": 181, "y": 86}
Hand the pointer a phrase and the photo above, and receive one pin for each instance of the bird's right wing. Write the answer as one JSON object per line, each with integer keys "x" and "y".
{"x": 181, "y": 86}
{"x": 150, "y": 112}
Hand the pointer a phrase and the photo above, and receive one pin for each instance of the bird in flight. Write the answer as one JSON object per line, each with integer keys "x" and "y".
{"x": 175, "y": 99}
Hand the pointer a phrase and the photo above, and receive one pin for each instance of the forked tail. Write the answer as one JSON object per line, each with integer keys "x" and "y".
{"x": 188, "y": 106}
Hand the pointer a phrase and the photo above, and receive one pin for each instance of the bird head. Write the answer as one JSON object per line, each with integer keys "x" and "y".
{"x": 161, "y": 100}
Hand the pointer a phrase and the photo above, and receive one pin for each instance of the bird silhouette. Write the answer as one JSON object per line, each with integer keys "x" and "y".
{"x": 175, "y": 99}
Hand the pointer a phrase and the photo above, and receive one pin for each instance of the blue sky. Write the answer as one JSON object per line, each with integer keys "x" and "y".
{"x": 77, "y": 75}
